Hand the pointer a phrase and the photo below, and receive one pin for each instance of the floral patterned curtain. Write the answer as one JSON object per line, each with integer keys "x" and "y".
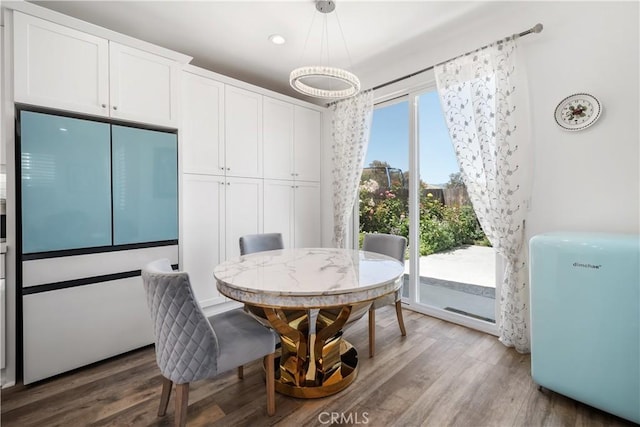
{"x": 351, "y": 126}
{"x": 478, "y": 95}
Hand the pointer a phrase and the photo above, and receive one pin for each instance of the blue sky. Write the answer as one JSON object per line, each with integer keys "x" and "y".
{"x": 390, "y": 139}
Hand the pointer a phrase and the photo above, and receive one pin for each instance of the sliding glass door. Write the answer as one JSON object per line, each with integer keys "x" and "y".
{"x": 411, "y": 185}
{"x": 456, "y": 263}
{"x": 384, "y": 186}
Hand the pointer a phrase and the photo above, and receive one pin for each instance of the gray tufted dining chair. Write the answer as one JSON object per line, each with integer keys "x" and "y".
{"x": 191, "y": 347}
{"x": 393, "y": 246}
{"x": 251, "y": 243}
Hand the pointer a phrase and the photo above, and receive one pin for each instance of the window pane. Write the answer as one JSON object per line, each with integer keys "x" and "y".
{"x": 384, "y": 186}
{"x": 457, "y": 267}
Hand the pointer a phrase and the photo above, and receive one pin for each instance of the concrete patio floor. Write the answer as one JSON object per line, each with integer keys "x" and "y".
{"x": 460, "y": 280}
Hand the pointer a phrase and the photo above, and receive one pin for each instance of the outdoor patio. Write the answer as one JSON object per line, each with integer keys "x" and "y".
{"x": 460, "y": 280}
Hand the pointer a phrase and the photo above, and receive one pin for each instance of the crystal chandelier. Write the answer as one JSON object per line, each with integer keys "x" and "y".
{"x": 305, "y": 79}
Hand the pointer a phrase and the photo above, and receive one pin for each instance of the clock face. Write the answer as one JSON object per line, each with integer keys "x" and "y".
{"x": 577, "y": 111}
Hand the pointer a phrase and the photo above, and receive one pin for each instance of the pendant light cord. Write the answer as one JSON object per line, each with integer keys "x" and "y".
{"x": 344, "y": 41}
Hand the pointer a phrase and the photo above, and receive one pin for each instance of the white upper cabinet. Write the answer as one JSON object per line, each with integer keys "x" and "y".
{"x": 202, "y": 125}
{"x": 292, "y": 141}
{"x": 63, "y": 68}
{"x": 60, "y": 67}
{"x": 243, "y": 133}
{"x": 143, "y": 86}
{"x": 307, "y": 145}
{"x": 278, "y": 139}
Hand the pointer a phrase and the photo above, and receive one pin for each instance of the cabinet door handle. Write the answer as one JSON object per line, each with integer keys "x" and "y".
{"x": 221, "y": 168}
{"x": 115, "y": 107}
{"x": 104, "y": 105}
{"x": 228, "y": 169}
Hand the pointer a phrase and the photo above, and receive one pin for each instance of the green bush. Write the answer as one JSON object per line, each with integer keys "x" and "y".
{"x": 441, "y": 227}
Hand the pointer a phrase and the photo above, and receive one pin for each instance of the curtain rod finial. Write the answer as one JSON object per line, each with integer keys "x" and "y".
{"x": 537, "y": 28}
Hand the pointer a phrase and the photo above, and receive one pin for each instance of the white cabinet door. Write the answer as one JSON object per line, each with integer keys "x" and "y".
{"x": 202, "y": 233}
{"x": 243, "y": 133}
{"x": 307, "y": 215}
{"x": 202, "y": 128}
{"x": 143, "y": 86}
{"x": 279, "y": 209}
{"x": 59, "y": 67}
{"x": 278, "y": 139}
{"x": 73, "y": 327}
{"x": 307, "y": 145}
{"x": 243, "y": 211}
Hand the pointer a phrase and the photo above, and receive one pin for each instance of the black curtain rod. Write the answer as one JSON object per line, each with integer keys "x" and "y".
{"x": 535, "y": 29}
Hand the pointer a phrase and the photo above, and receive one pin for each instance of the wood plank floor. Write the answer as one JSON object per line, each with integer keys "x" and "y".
{"x": 441, "y": 374}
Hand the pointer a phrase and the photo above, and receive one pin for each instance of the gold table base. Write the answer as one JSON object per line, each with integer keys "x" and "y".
{"x": 314, "y": 362}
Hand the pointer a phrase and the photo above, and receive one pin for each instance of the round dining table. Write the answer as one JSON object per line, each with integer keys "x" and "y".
{"x": 308, "y": 295}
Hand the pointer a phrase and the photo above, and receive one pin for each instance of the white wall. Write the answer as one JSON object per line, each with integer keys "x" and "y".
{"x": 586, "y": 180}
{"x": 583, "y": 181}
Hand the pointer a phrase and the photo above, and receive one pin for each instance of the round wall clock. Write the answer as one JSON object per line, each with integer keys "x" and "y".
{"x": 578, "y": 111}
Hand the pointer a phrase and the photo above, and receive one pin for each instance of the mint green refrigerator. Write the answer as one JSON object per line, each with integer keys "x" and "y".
{"x": 97, "y": 200}
{"x": 585, "y": 318}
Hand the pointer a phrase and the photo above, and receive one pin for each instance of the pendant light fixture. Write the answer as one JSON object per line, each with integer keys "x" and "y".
{"x": 324, "y": 81}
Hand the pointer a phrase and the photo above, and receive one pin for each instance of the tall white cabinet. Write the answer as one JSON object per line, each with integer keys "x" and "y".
{"x": 250, "y": 164}
{"x": 292, "y": 152}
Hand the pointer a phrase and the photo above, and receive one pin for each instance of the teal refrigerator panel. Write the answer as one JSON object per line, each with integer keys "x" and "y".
{"x": 585, "y": 318}
{"x": 65, "y": 178}
{"x": 145, "y": 185}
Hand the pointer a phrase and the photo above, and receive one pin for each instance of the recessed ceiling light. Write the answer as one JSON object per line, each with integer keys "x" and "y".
{"x": 276, "y": 39}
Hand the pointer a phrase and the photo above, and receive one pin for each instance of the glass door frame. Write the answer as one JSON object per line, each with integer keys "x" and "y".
{"x": 411, "y": 95}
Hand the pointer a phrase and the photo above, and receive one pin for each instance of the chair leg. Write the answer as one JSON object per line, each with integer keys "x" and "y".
{"x": 372, "y": 331}
{"x": 164, "y": 397}
{"x": 240, "y": 372}
{"x": 182, "y": 402}
{"x": 403, "y": 331}
{"x": 269, "y": 361}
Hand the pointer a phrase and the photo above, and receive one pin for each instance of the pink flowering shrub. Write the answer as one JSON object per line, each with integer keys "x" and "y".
{"x": 441, "y": 227}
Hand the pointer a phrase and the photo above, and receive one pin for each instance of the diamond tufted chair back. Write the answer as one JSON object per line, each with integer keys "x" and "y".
{"x": 186, "y": 344}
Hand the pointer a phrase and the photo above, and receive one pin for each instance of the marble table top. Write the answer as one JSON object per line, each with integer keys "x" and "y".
{"x": 309, "y": 277}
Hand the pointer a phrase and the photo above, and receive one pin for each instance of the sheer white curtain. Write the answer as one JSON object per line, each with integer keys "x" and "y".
{"x": 479, "y": 93}
{"x": 351, "y": 126}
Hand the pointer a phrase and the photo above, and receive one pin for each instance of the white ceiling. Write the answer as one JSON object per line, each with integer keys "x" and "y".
{"x": 231, "y": 37}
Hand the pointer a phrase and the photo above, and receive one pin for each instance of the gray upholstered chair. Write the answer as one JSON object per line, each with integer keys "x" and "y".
{"x": 251, "y": 243}
{"x": 192, "y": 347}
{"x": 393, "y": 246}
